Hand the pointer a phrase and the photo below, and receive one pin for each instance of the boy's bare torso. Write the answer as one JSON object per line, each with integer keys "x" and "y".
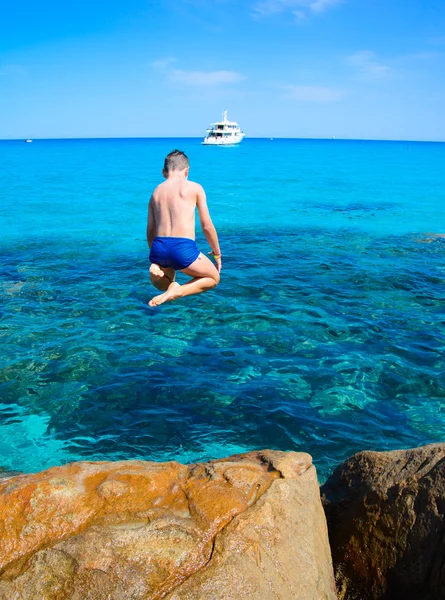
{"x": 174, "y": 203}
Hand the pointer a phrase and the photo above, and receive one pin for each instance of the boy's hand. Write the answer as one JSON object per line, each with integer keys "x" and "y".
{"x": 217, "y": 259}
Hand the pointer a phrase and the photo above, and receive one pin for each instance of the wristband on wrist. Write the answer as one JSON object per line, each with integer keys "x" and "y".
{"x": 216, "y": 255}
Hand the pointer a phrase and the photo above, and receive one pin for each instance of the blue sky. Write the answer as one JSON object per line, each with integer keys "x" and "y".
{"x": 372, "y": 69}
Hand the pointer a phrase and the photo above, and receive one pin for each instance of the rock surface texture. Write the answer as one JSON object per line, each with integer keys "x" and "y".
{"x": 250, "y": 526}
{"x": 386, "y": 520}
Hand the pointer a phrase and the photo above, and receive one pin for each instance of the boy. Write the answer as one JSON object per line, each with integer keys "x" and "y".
{"x": 171, "y": 234}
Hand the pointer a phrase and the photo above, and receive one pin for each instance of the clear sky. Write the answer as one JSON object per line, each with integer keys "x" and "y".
{"x": 372, "y": 69}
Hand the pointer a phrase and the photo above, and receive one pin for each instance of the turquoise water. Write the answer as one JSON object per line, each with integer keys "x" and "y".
{"x": 325, "y": 335}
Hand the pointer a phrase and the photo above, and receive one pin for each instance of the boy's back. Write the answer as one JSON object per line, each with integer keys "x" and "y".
{"x": 174, "y": 203}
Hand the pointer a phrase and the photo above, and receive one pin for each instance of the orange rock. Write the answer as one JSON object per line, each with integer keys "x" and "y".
{"x": 142, "y": 530}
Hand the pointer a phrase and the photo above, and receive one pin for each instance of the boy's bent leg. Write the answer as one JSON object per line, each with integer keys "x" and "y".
{"x": 161, "y": 278}
{"x": 205, "y": 277}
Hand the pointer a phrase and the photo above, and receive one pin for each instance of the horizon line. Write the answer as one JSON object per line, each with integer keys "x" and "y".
{"x": 330, "y": 138}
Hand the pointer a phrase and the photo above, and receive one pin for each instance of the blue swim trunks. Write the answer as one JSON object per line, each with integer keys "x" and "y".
{"x": 175, "y": 252}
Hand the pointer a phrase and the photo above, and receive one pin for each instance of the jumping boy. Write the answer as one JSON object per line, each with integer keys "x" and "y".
{"x": 171, "y": 234}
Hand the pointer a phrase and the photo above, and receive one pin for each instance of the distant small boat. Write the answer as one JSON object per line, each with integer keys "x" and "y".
{"x": 29, "y": 141}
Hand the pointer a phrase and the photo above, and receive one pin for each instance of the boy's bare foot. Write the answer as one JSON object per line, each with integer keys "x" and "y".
{"x": 156, "y": 272}
{"x": 173, "y": 293}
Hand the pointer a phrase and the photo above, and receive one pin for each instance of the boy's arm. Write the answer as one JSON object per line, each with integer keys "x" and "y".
{"x": 151, "y": 223}
{"x": 207, "y": 226}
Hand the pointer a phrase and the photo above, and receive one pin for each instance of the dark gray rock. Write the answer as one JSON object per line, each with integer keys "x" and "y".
{"x": 386, "y": 522}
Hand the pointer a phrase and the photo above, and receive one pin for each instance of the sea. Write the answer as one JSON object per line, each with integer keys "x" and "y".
{"x": 326, "y": 334}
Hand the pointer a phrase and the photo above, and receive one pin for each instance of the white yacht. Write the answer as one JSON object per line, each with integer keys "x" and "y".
{"x": 223, "y": 133}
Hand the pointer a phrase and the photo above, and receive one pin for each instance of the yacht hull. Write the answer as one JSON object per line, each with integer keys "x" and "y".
{"x": 223, "y": 142}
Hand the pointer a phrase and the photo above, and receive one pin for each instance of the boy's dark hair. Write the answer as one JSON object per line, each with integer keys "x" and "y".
{"x": 176, "y": 161}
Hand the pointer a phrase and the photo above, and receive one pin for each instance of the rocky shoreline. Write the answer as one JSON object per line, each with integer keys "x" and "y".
{"x": 249, "y": 526}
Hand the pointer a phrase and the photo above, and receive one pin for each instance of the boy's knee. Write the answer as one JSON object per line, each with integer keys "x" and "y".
{"x": 215, "y": 282}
